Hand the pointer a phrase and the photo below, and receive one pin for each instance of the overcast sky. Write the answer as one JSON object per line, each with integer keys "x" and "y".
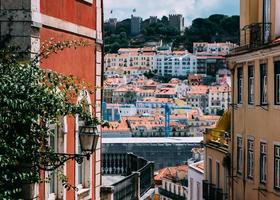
{"x": 191, "y": 9}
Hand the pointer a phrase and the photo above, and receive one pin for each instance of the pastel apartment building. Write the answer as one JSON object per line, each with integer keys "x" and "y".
{"x": 255, "y": 66}
{"x": 134, "y": 57}
{"x": 175, "y": 64}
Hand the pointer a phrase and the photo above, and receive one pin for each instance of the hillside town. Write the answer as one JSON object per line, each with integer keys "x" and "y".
{"x": 195, "y": 96}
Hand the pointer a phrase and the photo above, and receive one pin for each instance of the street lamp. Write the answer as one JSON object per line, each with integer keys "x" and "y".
{"x": 88, "y": 138}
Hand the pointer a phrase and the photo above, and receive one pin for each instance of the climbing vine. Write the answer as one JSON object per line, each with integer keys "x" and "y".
{"x": 31, "y": 98}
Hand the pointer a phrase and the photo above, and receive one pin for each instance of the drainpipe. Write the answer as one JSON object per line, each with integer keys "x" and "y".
{"x": 232, "y": 132}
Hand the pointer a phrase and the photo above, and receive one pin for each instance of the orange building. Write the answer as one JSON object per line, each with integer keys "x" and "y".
{"x": 37, "y": 21}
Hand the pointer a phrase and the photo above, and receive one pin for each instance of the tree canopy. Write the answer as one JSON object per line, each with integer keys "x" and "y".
{"x": 215, "y": 28}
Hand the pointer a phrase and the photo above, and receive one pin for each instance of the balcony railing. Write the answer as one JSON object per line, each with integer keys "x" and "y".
{"x": 138, "y": 174}
{"x": 170, "y": 195}
{"x": 211, "y": 192}
{"x": 217, "y": 137}
{"x": 254, "y": 36}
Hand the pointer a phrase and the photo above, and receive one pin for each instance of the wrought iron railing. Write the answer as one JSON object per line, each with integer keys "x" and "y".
{"x": 219, "y": 137}
{"x": 146, "y": 177}
{"x": 254, "y": 36}
{"x": 211, "y": 192}
{"x": 170, "y": 195}
{"x": 126, "y": 189}
{"x": 138, "y": 174}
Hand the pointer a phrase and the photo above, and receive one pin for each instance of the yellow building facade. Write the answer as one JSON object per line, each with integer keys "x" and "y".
{"x": 217, "y": 160}
{"x": 255, "y": 130}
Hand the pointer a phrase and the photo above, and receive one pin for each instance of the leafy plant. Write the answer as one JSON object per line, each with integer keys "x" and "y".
{"x": 31, "y": 98}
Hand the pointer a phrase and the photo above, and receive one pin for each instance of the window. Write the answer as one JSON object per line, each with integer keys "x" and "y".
{"x": 277, "y": 167}
{"x": 251, "y": 85}
{"x": 56, "y": 142}
{"x": 239, "y": 155}
{"x": 51, "y": 175}
{"x": 250, "y": 159}
{"x": 210, "y": 170}
{"x": 218, "y": 174}
{"x": 239, "y": 85}
{"x": 263, "y": 162}
{"x": 266, "y": 19}
{"x": 83, "y": 177}
{"x": 78, "y": 151}
{"x": 263, "y": 84}
{"x": 277, "y": 82}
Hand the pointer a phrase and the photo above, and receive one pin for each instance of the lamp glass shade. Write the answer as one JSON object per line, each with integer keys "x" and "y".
{"x": 88, "y": 138}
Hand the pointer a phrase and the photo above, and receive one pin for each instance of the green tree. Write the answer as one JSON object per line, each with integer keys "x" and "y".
{"x": 130, "y": 97}
{"x": 31, "y": 98}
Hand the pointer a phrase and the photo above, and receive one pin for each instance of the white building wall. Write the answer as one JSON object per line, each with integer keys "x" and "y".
{"x": 127, "y": 110}
{"x": 222, "y": 97}
{"x": 195, "y": 179}
{"x": 176, "y": 65}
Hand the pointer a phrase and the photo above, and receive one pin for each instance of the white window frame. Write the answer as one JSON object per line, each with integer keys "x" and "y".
{"x": 251, "y": 86}
{"x": 239, "y": 154}
{"x": 240, "y": 85}
{"x": 83, "y": 171}
{"x": 277, "y": 167}
{"x": 277, "y": 89}
{"x": 263, "y": 163}
{"x": 264, "y": 92}
{"x": 250, "y": 158}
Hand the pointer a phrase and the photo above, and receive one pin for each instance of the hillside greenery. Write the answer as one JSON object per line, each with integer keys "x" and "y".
{"x": 215, "y": 28}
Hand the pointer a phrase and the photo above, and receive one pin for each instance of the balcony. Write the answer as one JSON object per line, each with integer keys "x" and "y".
{"x": 219, "y": 136}
{"x": 211, "y": 192}
{"x": 254, "y": 36}
{"x": 130, "y": 176}
{"x": 170, "y": 195}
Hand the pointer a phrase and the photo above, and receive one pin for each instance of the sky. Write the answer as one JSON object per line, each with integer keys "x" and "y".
{"x": 191, "y": 9}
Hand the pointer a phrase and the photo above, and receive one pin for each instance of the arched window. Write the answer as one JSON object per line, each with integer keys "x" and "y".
{"x": 54, "y": 188}
{"x": 83, "y": 171}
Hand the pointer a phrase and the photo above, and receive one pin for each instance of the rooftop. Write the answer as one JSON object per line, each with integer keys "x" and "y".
{"x": 198, "y": 166}
{"x": 173, "y": 173}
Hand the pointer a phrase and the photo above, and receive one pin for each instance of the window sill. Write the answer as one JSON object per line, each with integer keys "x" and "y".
{"x": 276, "y": 191}
{"x": 250, "y": 180}
{"x": 277, "y": 107}
{"x": 87, "y": 1}
{"x": 83, "y": 192}
{"x": 52, "y": 196}
{"x": 250, "y": 106}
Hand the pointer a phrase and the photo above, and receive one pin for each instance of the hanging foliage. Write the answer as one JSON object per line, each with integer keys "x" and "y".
{"x": 32, "y": 97}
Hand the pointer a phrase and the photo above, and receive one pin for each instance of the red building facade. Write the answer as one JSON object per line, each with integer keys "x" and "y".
{"x": 64, "y": 20}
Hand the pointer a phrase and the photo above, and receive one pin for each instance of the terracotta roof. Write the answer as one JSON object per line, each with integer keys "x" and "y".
{"x": 198, "y": 166}
{"x": 199, "y": 89}
{"x": 172, "y": 173}
{"x": 118, "y": 126}
{"x": 219, "y": 89}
